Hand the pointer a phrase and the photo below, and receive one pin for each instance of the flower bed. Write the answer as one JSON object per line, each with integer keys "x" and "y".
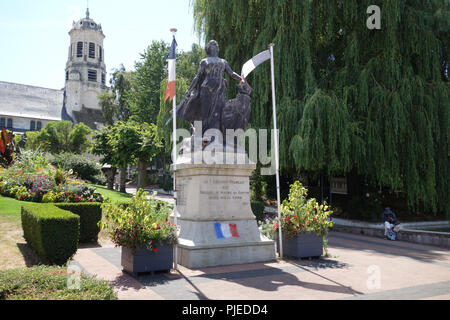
{"x": 32, "y": 178}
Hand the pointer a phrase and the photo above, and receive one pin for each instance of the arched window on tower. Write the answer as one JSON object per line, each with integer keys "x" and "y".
{"x": 100, "y": 53}
{"x": 32, "y": 125}
{"x": 79, "y": 49}
{"x": 91, "y": 50}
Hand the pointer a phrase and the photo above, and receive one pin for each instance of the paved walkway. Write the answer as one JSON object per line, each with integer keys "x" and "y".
{"x": 360, "y": 267}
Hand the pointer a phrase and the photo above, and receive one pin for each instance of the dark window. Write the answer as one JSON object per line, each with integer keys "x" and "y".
{"x": 103, "y": 78}
{"x": 10, "y": 124}
{"x": 100, "y": 53}
{"x": 38, "y": 125}
{"x": 91, "y": 50}
{"x": 67, "y": 75}
{"x": 32, "y": 125}
{"x": 79, "y": 49}
{"x": 2, "y": 123}
{"x": 92, "y": 75}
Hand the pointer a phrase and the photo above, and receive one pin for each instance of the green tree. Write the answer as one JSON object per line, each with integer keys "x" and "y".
{"x": 150, "y": 71}
{"x": 63, "y": 136}
{"x": 126, "y": 143}
{"x": 115, "y": 103}
{"x": 369, "y": 104}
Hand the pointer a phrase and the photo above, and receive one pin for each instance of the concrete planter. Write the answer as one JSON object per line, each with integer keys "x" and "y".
{"x": 145, "y": 260}
{"x": 305, "y": 245}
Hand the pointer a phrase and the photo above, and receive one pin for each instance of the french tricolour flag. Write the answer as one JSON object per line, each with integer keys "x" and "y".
{"x": 170, "y": 89}
{"x": 226, "y": 230}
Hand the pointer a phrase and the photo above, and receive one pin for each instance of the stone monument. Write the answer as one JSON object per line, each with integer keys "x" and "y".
{"x": 217, "y": 226}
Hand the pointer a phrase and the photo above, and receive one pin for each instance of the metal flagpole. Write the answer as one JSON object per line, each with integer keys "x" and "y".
{"x": 277, "y": 166}
{"x": 174, "y": 150}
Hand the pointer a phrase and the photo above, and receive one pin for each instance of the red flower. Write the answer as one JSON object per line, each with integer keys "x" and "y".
{"x": 155, "y": 249}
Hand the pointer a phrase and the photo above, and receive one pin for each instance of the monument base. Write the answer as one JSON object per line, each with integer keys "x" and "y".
{"x": 247, "y": 247}
{"x": 217, "y": 226}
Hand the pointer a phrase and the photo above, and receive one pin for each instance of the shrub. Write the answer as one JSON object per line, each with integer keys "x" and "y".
{"x": 258, "y": 209}
{"x": 140, "y": 222}
{"x": 50, "y": 283}
{"x": 86, "y": 168}
{"x": 90, "y": 215}
{"x": 51, "y": 231}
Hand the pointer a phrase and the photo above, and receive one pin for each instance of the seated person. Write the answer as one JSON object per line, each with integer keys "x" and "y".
{"x": 389, "y": 228}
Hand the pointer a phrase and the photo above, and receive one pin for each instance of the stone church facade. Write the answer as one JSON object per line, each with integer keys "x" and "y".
{"x": 28, "y": 108}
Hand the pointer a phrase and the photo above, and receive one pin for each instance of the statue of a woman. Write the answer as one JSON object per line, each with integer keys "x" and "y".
{"x": 205, "y": 98}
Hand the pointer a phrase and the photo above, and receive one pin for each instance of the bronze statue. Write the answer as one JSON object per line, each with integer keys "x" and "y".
{"x": 205, "y": 99}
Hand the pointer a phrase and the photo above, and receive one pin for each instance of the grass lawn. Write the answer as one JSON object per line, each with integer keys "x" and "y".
{"x": 50, "y": 283}
{"x": 14, "y": 252}
{"x": 112, "y": 194}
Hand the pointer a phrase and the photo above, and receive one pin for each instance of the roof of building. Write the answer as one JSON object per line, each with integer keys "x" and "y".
{"x": 19, "y": 100}
{"x": 87, "y": 24}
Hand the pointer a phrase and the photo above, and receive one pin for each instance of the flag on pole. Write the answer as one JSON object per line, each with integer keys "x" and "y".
{"x": 251, "y": 64}
{"x": 170, "y": 89}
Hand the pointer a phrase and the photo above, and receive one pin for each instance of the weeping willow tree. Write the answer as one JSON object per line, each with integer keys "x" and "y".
{"x": 351, "y": 101}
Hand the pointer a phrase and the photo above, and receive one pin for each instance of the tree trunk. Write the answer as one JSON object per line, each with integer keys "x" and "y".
{"x": 142, "y": 173}
{"x": 111, "y": 177}
{"x": 123, "y": 177}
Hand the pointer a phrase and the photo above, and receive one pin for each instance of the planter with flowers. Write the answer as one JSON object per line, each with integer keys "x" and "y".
{"x": 142, "y": 228}
{"x": 304, "y": 224}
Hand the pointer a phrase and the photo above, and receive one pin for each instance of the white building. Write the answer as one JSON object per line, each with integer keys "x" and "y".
{"x": 29, "y": 108}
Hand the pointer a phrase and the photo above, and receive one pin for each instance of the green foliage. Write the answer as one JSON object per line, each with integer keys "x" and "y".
{"x": 124, "y": 143}
{"x": 140, "y": 222}
{"x": 115, "y": 104}
{"x": 90, "y": 215}
{"x": 349, "y": 98}
{"x": 365, "y": 208}
{"x": 258, "y": 209}
{"x": 63, "y": 136}
{"x": 150, "y": 71}
{"x": 51, "y": 231}
{"x": 299, "y": 214}
{"x": 85, "y": 168}
{"x": 50, "y": 283}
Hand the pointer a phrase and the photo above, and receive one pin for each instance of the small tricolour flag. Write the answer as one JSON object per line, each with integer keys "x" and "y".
{"x": 171, "y": 89}
{"x": 251, "y": 64}
{"x": 226, "y": 230}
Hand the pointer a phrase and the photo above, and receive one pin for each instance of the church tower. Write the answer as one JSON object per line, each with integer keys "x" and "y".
{"x": 85, "y": 72}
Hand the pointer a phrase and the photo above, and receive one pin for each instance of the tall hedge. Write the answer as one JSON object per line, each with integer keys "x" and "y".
{"x": 90, "y": 215}
{"x": 51, "y": 231}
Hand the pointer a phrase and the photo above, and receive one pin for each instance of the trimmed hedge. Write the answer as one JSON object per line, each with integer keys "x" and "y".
{"x": 258, "y": 209}
{"x": 90, "y": 214}
{"x": 51, "y": 231}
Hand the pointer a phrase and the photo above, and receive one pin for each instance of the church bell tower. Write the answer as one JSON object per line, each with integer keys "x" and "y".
{"x": 85, "y": 69}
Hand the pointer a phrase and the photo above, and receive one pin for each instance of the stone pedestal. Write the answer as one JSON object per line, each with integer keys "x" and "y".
{"x": 211, "y": 196}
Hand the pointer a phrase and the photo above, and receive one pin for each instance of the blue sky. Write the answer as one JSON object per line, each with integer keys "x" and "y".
{"x": 34, "y": 36}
